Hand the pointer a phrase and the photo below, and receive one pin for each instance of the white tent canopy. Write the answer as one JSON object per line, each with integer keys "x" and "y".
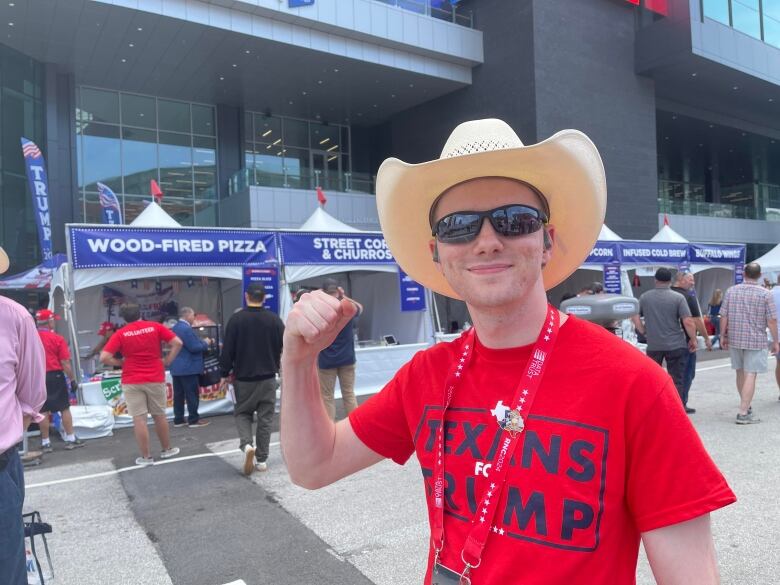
{"x": 368, "y": 287}
{"x": 607, "y": 235}
{"x": 667, "y": 234}
{"x": 770, "y": 263}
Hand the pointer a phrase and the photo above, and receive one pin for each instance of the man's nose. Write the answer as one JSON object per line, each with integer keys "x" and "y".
{"x": 488, "y": 239}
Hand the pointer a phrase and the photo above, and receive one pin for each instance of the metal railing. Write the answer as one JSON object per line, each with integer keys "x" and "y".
{"x": 441, "y": 10}
{"x": 342, "y": 182}
{"x": 762, "y": 200}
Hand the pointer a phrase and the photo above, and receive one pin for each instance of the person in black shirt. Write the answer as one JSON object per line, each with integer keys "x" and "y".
{"x": 252, "y": 352}
{"x": 683, "y": 284}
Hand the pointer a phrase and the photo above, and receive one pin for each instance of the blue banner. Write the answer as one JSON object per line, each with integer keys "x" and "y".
{"x": 330, "y": 248}
{"x": 99, "y": 247}
{"x": 299, "y": 3}
{"x": 39, "y": 188}
{"x": 268, "y": 276}
{"x": 612, "y": 278}
{"x": 717, "y": 253}
{"x": 603, "y": 253}
{"x": 739, "y": 273}
{"x": 653, "y": 253}
{"x": 112, "y": 213}
{"x": 412, "y": 293}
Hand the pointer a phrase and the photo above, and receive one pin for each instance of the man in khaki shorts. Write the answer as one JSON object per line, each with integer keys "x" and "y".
{"x": 143, "y": 376}
{"x": 747, "y": 310}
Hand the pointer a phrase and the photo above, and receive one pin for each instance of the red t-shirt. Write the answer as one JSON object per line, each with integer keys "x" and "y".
{"x": 139, "y": 342}
{"x": 56, "y": 349}
{"x": 607, "y": 453}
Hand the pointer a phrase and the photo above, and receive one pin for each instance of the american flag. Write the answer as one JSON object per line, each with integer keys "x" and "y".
{"x": 108, "y": 200}
{"x": 30, "y": 150}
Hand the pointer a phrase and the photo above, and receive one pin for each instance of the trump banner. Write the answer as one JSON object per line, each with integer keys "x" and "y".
{"x": 112, "y": 213}
{"x": 39, "y": 188}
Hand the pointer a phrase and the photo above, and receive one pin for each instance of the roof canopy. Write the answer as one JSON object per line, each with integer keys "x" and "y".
{"x": 154, "y": 216}
{"x": 607, "y": 235}
{"x": 322, "y": 221}
{"x": 667, "y": 234}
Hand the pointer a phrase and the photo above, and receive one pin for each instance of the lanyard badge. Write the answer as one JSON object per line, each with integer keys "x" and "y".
{"x": 513, "y": 424}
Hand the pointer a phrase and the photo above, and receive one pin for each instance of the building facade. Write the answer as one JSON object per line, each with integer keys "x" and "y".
{"x": 240, "y": 109}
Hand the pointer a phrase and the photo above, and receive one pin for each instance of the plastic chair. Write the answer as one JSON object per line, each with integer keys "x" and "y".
{"x": 34, "y": 526}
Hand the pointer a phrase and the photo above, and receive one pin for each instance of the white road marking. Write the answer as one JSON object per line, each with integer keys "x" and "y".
{"x": 239, "y": 582}
{"x": 134, "y": 467}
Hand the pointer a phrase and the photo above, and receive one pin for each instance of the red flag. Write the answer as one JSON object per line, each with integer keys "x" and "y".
{"x": 666, "y": 219}
{"x": 321, "y": 196}
{"x": 157, "y": 193}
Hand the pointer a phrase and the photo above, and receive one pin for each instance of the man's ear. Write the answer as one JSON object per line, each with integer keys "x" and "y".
{"x": 434, "y": 247}
{"x": 549, "y": 239}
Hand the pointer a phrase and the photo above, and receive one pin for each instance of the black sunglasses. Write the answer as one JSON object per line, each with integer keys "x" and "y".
{"x": 508, "y": 221}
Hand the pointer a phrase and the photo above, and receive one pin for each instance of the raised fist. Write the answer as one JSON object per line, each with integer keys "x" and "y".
{"x": 315, "y": 321}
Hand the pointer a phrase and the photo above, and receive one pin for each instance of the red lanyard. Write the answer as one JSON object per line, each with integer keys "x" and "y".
{"x": 513, "y": 424}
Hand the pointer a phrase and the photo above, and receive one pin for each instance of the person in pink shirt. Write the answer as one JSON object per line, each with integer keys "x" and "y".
{"x": 22, "y": 393}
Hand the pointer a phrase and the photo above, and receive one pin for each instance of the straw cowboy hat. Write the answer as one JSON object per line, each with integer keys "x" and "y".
{"x": 566, "y": 168}
{"x": 4, "y": 263}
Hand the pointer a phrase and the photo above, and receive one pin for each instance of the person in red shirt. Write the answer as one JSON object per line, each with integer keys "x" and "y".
{"x": 549, "y": 447}
{"x": 57, "y": 367}
{"x": 143, "y": 376}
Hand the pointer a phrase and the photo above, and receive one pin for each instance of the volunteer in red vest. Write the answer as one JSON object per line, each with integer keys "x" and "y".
{"x": 57, "y": 367}
{"x": 143, "y": 376}
{"x": 549, "y": 447}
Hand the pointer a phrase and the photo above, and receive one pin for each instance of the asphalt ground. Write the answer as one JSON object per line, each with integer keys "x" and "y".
{"x": 195, "y": 520}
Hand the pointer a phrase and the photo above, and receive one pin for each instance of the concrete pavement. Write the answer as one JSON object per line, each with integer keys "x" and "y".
{"x": 198, "y": 521}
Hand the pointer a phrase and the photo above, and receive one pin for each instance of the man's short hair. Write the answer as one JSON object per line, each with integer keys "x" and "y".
{"x": 663, "y": 275}
{"x": 596, "y": 288}
{"x": 680, "y": 275}
{"x": 184, "y": 311}
{"x": 256, "y": 292}
{"x": 130, "y": 312}
{"x": 753, "y": 270}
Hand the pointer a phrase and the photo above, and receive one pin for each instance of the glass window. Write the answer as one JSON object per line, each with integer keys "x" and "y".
{"x": 89, "y": 204}
{"x": 175, "y": 164}
{"x": 772, "y": 22}
{"x": 248, "y": 127}
{"x": 21, "y": 116}
{"x": 179, "y": 209}
{"x": 173, "y": 116}
{"x": 134, "y": 205}
{"x": 138, "y": 110}
{"x": 99, "y": 106}
{"x": 101, "y": 157}
{"x": 205, "y": 213}
{"x": 325, "y": 137}
{"x": 717, "y": 10}
{"x": 204, "y": 156}
{"x": 746, "y": 17}
{"x": 203, "y": 120}
{"x": 269, "y": 169}
{"x": 344, "y": 139}
{"x": 267, "y": 130}
{"x": 18, "y": 224}
{"x": 297, "y": 166}
{"x": 139, "y": 159}
{"x": 296, "y": 133}
{"x": 20, "y": 73}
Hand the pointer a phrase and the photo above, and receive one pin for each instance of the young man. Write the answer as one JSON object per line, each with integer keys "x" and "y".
{"x": 186, "y": 370}
{"x": 143, "y": 376}
{"x": 338, "y": 359}
{"x": 669, "y": 329}
{"x": 252, "y": 351}
{"x": 57, "y": 367}
{"x": 683, "y": 284}
{"x": 22, "y": 393}
{"x": 748, "y": 310}
{"x": 546, "y": 443}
